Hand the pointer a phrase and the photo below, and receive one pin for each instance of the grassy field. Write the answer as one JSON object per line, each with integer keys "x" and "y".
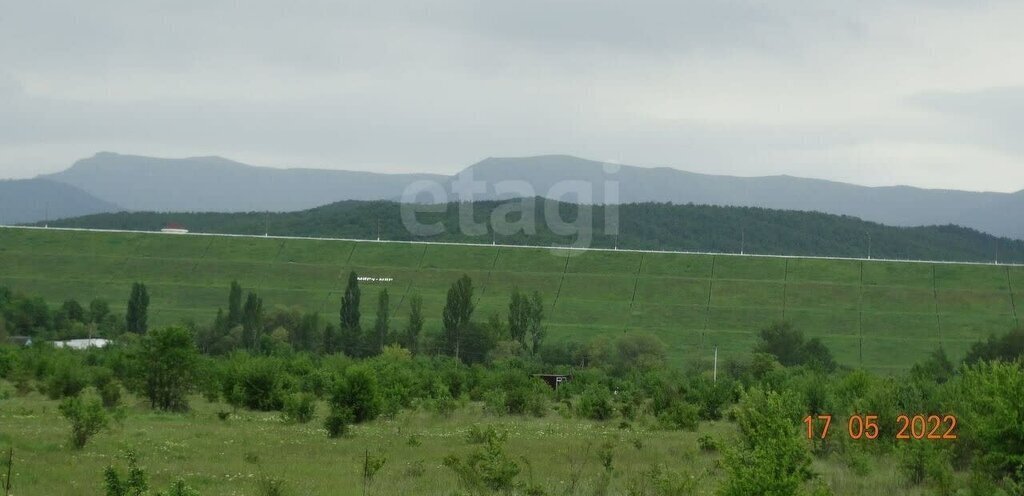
{"x": 879, "y": 315}
{"x": 227, "y": 457}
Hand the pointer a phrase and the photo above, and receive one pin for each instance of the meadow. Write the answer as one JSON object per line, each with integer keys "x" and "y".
{"x": 882, "y": 316}
{"x": 229, "y": 457}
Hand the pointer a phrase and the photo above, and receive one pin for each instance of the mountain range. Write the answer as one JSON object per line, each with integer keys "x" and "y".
{"x": 31, "y": 200}
{"x": 219, "y": 185}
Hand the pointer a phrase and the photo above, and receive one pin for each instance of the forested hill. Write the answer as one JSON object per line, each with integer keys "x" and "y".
{"x": 655, "y": 226}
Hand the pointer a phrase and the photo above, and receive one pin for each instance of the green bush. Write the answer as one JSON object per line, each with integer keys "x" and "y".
{"x": 680, "y": 416}
{"x": 66, "y": 381}
{"x": 300, "y": 407}
{"x": 772, "y": 457}
{"x": 337, "y": 421}
{"x": 357, "y": 393}
{"x": 596, "y": 403}
{"x": 707, "y": 444}
{"x": 924, "y": 461}
{"x": 87, "y": 419}
{"x": 259, "y": 383}
{"x": 479, "y": 435}
{"x": 110, "y": 394}
{"x": 486, "y": 469}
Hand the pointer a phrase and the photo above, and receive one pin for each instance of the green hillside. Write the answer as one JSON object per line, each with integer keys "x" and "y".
{"x": 883, "y": 315}
{"x": 644, "y": 226}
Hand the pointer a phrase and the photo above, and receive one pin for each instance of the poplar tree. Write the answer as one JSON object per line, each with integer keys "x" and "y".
{"x": 382, "y": 323}
{"x": 458, "y": 311}
{"x": 138, "y": 309}
{"x": 350, "y": 331}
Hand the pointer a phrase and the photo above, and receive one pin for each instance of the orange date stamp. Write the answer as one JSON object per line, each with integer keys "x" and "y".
{"x": 934, "y": 427}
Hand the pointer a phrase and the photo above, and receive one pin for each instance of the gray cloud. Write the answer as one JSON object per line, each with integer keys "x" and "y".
{"x": 870, "y": 92}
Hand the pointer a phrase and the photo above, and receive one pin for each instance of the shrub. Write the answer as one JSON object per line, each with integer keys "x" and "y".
{"x": 337, "y": 421}
{"x": 771, "y": 458}
{"x": 922, "y": 460}
{"x": 357, "y": 393}
{"x": 134, "y": 483}
{"x": 269, "y": 486}
{"x": 707, "y": 444}
{"x": 110, "y": 394}
{"x": 259, "y": 384}
{"x": 478, "y": 435}
{"x": 486, "y": 469}
{"x": 67, "y": 380}
{"x": 300, "y": 407}
{"x": 87, "y": 419}
{"x": 596, "y": 404}
{"x": 179, "y": 488}
{"x": 680, "y": 416}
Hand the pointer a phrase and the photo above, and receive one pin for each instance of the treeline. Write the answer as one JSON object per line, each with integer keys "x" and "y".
{"x": 287, "y": 361}
{"x": 654, "y": 226}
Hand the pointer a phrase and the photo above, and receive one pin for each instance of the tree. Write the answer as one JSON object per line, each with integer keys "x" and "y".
{"x": 381, "y": 324}
{"x": 357, "y": 393}
{"x": 771, "y": 458}
{"x": 536, "y": 321}
{"x": 350, "y": 328}
{"x": 235, "y": 305}
{"x": 87, "y": 419}
{"x": 74, "y": 311}
{"x": 411, "y": 339}
{"x": 518, "y": 316}
{"x": 98, "y": 310}
{"x": 167, "y": 363}
{"x": 330, "y": 339}
{"x": 1006, "y": 348}
{"x": 252, "y": 320}
{"x": 990, "y": 413}
{"x": 458, "y": 311}
{"x": 305, "y": 335}
{"x": 138, "y": 309}
{"x": 788, "y": 346}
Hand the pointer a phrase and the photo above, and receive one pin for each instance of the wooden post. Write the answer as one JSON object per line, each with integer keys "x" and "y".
{"x": 10, "y": 465}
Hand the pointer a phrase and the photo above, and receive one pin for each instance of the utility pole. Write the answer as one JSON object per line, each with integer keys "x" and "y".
{"x": 743, "y": 240}
{"x": 714, "y": 376}
{"x": 869, "y": 244}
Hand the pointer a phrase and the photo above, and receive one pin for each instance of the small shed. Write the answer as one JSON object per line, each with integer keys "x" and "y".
{"x": 19, "y": 340}
{"x": 554, "y": 380}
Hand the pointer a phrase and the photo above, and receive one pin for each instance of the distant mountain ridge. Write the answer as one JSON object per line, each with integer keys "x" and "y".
{"x": 219, "y": 185}
{"x": 215, "y": 184}
{"x": 31, "y": 200}
{"x": 891, "y": 205}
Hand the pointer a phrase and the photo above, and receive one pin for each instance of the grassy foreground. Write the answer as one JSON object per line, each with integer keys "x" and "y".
{"x": 878, "y": 315}
{"x": 228, "y": 457}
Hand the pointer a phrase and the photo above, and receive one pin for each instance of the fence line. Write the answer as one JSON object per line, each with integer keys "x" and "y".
{"x": 534, "y": 247}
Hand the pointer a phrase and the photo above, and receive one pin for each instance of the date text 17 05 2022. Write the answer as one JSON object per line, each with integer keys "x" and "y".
{"x": 935, "y": 427}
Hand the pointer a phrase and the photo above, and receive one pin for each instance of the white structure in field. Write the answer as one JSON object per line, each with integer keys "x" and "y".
{"x": 81, "y": 344}
{"x": 173, "y": 228}
{"x": 374, "y": 279}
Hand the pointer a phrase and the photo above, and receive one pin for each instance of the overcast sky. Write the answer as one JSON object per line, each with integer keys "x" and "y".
{"x": 927, "y": 93}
